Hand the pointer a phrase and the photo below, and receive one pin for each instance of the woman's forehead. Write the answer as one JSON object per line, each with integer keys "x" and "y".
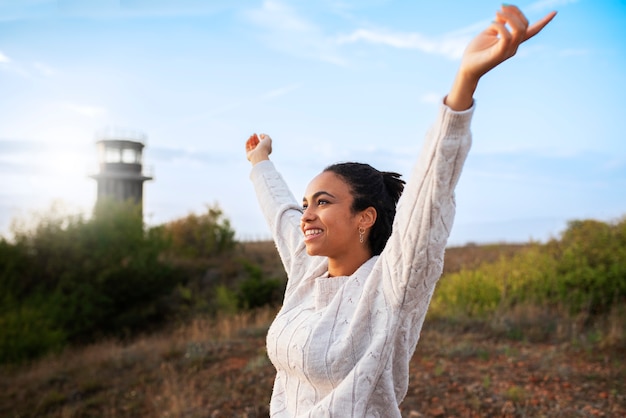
{"x": 328, "y": 182}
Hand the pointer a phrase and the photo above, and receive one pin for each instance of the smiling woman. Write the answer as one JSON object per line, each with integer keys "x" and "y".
{"x": 361, "y": 273}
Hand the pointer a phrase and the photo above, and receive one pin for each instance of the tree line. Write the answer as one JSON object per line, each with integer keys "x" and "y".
{"x": 72, "y": 279}
{"x": 69, "y": 279}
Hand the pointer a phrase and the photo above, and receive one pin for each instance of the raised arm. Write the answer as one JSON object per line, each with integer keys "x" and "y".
{"x": 278, "y": 205}
{"x": 490, "y": 48}
{"x": 426, "y": 209}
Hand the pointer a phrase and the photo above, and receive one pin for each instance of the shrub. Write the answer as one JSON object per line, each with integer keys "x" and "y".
{"x": 201, "y": 236}
{"x": 71, "y": 279}
{"x": 583, "y": 272}
{"x": 257, "y": 291}
{"x": 592, "y": 265}
{"x": 27, "y": 329}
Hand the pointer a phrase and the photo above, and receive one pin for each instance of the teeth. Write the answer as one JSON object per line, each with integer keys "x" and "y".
{"x": 312, "y": 232}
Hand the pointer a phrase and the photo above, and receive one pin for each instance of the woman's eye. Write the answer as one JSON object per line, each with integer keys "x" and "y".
{"x": 320, "y": 202}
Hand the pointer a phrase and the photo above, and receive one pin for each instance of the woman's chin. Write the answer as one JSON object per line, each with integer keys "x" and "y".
{"x": 312, "y": 250}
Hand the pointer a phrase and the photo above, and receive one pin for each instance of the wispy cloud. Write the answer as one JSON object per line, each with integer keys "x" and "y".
{"x": 450, "y": 45}
{"x": 37, "y": 69}
{"x": 285, "y": 30}
{"x": 279, "y": 16}
{"x": 4, "y": 58}
{"x": 36, "y": 9}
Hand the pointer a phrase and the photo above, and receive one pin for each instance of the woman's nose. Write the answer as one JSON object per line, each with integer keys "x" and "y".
{"x": 307, "y": 215}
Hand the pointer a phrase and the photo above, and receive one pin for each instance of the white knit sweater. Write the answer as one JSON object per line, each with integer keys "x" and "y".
{"x": 342, "y": 345}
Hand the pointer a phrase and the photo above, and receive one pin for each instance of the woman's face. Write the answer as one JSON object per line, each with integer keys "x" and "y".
{"x": 330, "y": 227}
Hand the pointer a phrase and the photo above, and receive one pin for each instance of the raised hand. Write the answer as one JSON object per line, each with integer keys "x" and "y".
{"x": 258, "y": 149}
{"x": 498, "y": 43}
{"x": 491, "y": 47}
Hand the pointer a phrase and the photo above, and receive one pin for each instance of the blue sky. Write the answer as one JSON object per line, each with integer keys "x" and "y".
{"x": 330, "y": 80}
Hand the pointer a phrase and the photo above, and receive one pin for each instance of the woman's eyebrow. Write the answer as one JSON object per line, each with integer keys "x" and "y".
{"x": 318, "y": 194}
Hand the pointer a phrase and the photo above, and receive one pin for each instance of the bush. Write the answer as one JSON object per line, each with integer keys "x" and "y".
{"x": 592, "y": 265}
{"x": 584, "y": 272}
{"x": 71, "y": 279}
{"x": 27, "y": 329}
{"x": 201, "y": 236}
{"x": 257, "y": 291}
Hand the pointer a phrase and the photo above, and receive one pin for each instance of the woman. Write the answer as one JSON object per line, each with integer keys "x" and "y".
{"x": 358, "y": 288}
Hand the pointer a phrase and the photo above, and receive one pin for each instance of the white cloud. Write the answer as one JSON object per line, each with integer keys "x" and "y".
{"x": 24, "y": 71}
{"x": 287, "y": 31}
{"x": 450, "y": 45}
{"x": 277, "y": 16}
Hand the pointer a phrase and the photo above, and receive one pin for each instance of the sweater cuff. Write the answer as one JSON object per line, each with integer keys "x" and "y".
{"x": 261, "y": 167}
{"x": 455, "y": 122}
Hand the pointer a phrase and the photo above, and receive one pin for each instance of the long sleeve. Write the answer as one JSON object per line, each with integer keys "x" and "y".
{"x": 412, "y": 261}
{"x": 425, "y": 213}
{"x": 282, "y": 213}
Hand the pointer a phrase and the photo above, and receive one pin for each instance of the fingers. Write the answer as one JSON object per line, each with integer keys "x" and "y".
{"x": 518, "y": 30}
{"x": 539, "y": 25}
{"x": 514, "y": 12}
{"x": 515, "y": 19}
{"x": 519, "y": 24}
{"x": 252, "y": 142}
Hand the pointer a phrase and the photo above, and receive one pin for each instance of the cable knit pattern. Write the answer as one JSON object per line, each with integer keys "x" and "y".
{"x": 341, "y": 346}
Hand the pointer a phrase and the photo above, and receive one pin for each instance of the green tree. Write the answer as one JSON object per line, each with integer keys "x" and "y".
{"x": 201, "y": 236}
{"x": 256, "y": 291}
{"x": 81, "y": 278}
{"x": 592, "y": 264}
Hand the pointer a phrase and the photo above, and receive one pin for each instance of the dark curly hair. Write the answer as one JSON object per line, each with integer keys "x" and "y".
{"x": 370, "y": 187}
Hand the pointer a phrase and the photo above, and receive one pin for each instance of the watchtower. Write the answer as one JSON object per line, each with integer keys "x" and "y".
{"x": 121, "y": 174}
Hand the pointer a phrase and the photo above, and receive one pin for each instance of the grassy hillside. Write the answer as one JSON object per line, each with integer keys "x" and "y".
{"x": 217, "y": 367}
{"x": 456, "y": 258}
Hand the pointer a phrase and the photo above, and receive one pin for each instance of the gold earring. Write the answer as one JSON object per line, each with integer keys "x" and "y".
{"x": 361, "y": 233}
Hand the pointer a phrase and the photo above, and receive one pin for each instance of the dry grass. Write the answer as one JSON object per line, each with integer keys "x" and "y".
{"x": 527, "y": 362}
{"x": 218, "y": 368}
{"x": 185, "y": 372}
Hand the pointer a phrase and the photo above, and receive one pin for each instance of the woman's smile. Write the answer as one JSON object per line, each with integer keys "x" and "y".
{"x": 312, "y": 233}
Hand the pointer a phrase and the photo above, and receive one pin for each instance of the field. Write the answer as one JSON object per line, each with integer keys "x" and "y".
{"x": 217, "y": 367}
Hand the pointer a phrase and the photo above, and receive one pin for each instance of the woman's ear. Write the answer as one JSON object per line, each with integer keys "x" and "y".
{"x": 368, "y": 217}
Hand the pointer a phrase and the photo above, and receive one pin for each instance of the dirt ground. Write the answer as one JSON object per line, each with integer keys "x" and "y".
{"x": 454, "y": 373}
{"x": 464, "y": 375}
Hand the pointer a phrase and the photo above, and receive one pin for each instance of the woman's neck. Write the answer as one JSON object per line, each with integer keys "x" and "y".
{"x": 347, "y": 266}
